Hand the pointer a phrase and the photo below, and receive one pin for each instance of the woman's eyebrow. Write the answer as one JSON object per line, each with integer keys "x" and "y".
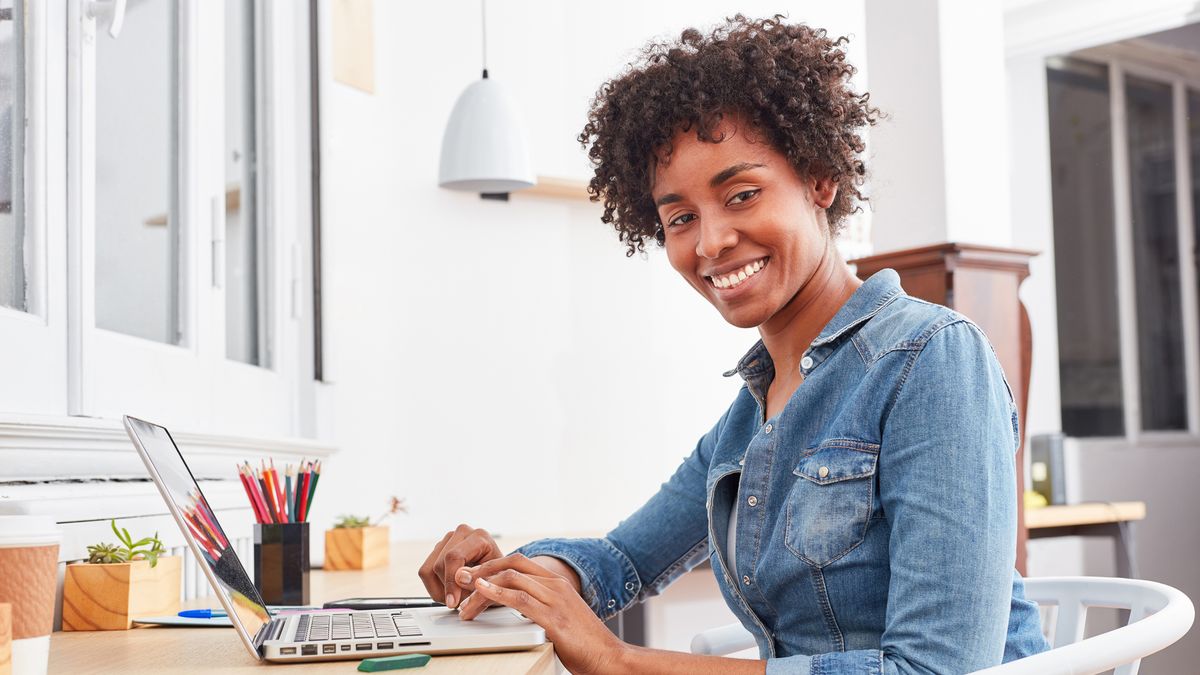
{"x": 721, "y": 177}
{"x": 732, "y": 171}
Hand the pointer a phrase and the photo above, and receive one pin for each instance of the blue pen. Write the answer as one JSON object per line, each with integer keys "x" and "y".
{"x": 203, "y": 613}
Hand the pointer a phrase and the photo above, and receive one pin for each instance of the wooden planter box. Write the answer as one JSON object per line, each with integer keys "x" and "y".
{"x": 356, "y": 548}
{"x": 107, "y": 597}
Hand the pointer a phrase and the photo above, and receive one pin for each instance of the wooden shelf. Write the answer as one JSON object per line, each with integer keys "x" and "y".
{"x": 551, "y": 187}
{"x": 1084, "y": 514}
{"x": 233, "y": 202}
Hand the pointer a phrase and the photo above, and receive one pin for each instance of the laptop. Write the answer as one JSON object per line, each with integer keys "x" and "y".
{"x": 314, "y": 635}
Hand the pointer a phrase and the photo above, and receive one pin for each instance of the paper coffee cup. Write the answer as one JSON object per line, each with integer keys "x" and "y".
{"x": 5, "y": 638}
{"x": 28, "y": 582}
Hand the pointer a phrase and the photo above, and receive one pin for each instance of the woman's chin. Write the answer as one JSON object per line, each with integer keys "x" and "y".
{"x": 742, "y": 317}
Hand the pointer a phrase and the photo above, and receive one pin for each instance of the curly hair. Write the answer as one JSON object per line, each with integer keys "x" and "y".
{"x": 790, "y": 82}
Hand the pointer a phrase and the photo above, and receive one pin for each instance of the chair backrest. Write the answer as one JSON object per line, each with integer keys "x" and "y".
{"x": 1158, "y": 616}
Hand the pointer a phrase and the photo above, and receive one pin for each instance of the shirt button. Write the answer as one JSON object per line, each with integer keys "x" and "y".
{"x": 612, "y": 603}
{"x": 806, "y": 362}
{"x": 629, "y": 586}
{"x": 768, "y": 428}
{"x": 746, "y": 580}
{"x": 752, "y": 500}
{"x": 823, "y": 471}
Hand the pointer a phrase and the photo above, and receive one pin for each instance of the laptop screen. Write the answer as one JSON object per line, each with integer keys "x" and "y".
{"x": 199, "y": 524}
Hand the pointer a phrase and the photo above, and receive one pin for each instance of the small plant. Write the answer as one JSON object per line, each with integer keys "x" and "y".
{"x": 148, "y": 549}
{"x": 347, "y": 522}
{"x": 350, "y": 522}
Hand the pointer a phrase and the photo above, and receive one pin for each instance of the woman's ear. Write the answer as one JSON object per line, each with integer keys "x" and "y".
{"x": 824, "y": 190}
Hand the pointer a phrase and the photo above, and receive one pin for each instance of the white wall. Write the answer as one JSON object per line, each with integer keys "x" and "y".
{"x": 505, "y": 364}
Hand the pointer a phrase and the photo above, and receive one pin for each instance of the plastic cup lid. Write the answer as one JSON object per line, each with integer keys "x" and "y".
{"x": 19, "y": 531}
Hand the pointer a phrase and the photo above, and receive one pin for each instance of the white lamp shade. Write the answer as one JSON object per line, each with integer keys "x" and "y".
{"x": 484, "y": 148}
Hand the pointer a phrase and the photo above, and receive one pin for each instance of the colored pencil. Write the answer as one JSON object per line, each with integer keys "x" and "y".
{"x": 287, "y": 492}
{"x": 255, "y": 494}
{"x": 283, "y": 518}
{"x": 303, "y": 496}
{"x": 266, "y": 492}
{"x": 253, "y": 502}
{"x": 312, "y": 490}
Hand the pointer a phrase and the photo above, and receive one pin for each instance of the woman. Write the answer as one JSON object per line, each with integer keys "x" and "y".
{"x": 857, "y": 499}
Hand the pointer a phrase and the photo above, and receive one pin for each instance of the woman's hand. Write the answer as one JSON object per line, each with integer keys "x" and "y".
{"x": 461, "y": 547}
{"x": 581, "y": 641}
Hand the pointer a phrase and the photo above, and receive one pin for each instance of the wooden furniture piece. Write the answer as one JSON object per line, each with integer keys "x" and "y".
{"x": 1093, "y": 519}
{"x": 982, "y": 283}
{"x": 219, "y": 650}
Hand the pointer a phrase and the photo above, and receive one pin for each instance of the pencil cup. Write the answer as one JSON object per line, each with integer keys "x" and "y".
{"x": 281, "y": 562}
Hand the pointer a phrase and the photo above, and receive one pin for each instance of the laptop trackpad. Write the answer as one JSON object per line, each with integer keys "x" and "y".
{"x": 488, "y": 620}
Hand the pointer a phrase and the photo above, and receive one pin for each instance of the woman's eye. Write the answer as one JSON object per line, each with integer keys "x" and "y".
{"x": 681, "y": 220}
{"x": 743, "y": 196}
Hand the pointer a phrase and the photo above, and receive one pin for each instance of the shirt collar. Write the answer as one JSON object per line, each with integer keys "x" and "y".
{"x": 871, "y": 297}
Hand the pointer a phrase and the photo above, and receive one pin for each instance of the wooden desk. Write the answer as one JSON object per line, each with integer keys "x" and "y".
{"x": 1095, "y": 519}
{"x": 219, "y": 650}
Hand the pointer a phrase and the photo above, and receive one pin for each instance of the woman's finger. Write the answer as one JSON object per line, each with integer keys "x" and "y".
{"x": 516, "y": 598}
{"x": 429, "y": 577}
{"x": 473, "y": 546}
{"x": 513, "y": 561}
{"x": 472, "y": 605}
{"x": 517, "y": 581}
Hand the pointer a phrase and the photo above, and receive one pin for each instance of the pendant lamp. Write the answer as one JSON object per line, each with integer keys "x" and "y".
{"x": 484, "y": 148}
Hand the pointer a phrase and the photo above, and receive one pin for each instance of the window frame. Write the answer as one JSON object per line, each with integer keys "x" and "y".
{"x": 36, "y": 339}
{"x": 111, "y": 373}
{"x": 1124, "y": 60}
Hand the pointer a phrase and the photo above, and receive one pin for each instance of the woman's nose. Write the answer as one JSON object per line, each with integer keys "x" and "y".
{"x": 714, "y": 239}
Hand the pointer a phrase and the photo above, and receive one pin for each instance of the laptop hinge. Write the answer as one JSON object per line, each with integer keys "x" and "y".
{"x": 269, "y": 631}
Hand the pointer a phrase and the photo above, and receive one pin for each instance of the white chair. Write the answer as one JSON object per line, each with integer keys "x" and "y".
{"x": 1158, "y": 616}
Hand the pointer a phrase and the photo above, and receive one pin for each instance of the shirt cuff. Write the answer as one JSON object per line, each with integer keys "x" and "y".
{"x": 608, "y": 581}
{"x": 857, "y": 662}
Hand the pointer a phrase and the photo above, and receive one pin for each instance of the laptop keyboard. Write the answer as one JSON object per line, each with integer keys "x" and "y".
{"x": 355, "y": 626}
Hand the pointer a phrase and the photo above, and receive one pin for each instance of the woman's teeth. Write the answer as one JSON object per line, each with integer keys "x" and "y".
{"x": 734, "y": 279}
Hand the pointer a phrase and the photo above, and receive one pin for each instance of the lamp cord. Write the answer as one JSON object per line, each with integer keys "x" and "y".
{"x": 483, "y": 14}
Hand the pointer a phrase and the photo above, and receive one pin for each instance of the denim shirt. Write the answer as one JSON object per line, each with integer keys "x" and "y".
{"x": 876, "y": 523}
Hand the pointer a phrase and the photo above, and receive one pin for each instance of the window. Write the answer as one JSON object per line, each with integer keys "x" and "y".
{"x": 1081, "y": 175}
{"x": 176, "y": 168}
{"x": 246, "y": 305}
{"x": 33, "y": 337}
{"x": 1123, "y": 150}
{"x": 150, "y": 185}
{"x": 12, "y": 222}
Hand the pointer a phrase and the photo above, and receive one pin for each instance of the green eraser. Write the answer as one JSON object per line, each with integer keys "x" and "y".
{"x": 393, "y": 663}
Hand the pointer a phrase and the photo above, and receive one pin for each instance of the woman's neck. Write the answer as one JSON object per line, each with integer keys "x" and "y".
{"x": 788, "y": 334}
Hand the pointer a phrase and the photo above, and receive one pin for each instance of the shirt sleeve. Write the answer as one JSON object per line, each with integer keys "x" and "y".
{"x": 947, "y": 484}
{"x": 664, "y": 538}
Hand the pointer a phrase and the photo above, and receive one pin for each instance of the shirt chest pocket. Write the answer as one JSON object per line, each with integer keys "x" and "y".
{"x": 830, "y": 504}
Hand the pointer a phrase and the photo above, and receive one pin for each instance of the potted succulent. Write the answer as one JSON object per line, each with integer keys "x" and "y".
{"x": 118, "y": 582}
{"x": 357, "y": 542}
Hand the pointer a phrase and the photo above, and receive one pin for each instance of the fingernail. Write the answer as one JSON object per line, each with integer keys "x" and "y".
{"x": 463, "y": 576}
{"x": 485, "y": 583}
{"x": 450, "y": 600}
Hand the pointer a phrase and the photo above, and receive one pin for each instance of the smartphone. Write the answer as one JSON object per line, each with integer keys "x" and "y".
{"x": 382, "y": 603}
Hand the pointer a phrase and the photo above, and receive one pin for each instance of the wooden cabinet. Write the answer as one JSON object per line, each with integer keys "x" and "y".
{"x": 982, "y": 283}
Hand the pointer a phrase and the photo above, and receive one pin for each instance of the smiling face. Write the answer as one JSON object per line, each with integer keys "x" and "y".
{"x": 740, "y": 225}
